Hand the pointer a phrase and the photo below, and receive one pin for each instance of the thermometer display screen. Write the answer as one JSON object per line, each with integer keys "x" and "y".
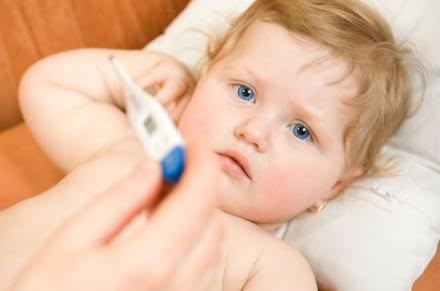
{"x": 150, "y": 125}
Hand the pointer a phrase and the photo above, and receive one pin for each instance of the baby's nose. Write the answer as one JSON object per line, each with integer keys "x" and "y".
{"x": 254, "y": 131}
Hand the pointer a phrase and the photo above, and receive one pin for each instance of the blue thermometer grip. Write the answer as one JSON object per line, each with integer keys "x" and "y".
{"x": 172, "y": 164}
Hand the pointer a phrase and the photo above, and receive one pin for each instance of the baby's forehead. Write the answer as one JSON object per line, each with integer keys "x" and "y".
{"x": 265, "y": 43}
{"x": 324, "y": 70}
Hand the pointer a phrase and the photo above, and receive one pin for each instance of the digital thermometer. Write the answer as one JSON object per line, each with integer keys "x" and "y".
{"x": 154, "y": 128}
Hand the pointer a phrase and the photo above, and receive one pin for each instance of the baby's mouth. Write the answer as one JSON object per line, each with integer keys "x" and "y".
{"x": 235, "y": 164}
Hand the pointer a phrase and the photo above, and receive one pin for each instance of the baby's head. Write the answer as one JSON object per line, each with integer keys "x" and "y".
{"x": 296, "y": 101}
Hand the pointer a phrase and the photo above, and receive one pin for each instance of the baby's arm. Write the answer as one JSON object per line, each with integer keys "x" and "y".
{"x": 73, "y": 102}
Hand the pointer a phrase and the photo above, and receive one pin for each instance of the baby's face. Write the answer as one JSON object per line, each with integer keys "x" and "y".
{"x": 275, "y": 125}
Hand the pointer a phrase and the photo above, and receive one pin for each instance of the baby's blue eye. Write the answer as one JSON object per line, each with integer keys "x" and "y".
{"x": 300, "y": 131}
{"x": 245, "y": 93}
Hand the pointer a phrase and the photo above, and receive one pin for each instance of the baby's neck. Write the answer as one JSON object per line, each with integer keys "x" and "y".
{"x": 270, "y": 228}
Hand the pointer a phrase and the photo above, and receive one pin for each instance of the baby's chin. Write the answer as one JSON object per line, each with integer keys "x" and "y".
{"x": 232, "y": 202}
{"x": 231, "y": 196}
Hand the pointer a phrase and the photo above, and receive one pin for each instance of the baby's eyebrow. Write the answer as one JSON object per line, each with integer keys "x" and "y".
{"x": 254, "y": 76}
{"x": 307, "y": 115}
{"x": 316, "y": 124}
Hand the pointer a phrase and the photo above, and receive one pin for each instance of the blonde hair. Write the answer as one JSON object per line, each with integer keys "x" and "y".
{"x": 362, "y": 38}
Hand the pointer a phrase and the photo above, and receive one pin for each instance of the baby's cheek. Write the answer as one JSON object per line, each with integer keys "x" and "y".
{"x": 291, "y": 191}
{"x": 191, "y": 125}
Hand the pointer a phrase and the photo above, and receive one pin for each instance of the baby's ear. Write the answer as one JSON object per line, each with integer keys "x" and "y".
{"x": 345, "y": 181}
{"x": 339, "y": 186}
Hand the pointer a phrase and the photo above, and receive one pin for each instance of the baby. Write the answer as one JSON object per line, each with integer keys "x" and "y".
{"x": 295, "y": 102}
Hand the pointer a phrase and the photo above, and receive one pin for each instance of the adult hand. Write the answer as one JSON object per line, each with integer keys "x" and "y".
{"x": 172, "y": 251}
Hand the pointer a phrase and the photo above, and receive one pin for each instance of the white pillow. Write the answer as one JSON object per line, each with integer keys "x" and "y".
{"x": 382, "y": 232}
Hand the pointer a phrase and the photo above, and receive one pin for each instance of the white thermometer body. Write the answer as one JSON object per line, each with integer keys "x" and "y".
{"x": 154, "y": 128}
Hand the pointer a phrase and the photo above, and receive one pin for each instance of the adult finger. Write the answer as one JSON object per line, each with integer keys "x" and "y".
{"x": 198, "y": 270}
{"x": 104, "y": 217}
{"x": 178, "y": 223}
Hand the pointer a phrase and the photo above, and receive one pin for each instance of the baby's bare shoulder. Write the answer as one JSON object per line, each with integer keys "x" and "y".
{"x": 281, "y": 267}
{"x": 263, "y": 261}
